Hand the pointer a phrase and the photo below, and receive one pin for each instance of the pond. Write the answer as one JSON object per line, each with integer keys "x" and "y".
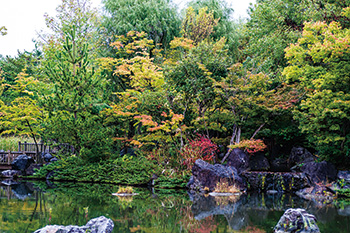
{"x": 25, "y": 207}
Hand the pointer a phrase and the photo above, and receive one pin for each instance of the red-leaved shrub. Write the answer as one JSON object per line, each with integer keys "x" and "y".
{"x": 200, "y": 148}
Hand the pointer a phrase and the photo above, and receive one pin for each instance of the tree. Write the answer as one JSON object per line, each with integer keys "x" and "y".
{"x": 23, "y": 115}
{"x": 140, "y": 111}
{"x": 190, "y": 73}
{"x": 12, "y": 67}
{"x": 320, "y": 62}
{"x": 76, "y": 101}
{"x": 158, "y": 18}
{"x": 274, "y": 24}
{"x": 248, "y": 101}
{"x": 198, "y": 27}
{"x": 225, "y": 26}
{"x": 3, "y": 30}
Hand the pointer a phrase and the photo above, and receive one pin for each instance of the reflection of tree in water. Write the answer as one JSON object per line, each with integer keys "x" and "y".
{"x": 22, "y": 208}
{"x": 260, "y": 212}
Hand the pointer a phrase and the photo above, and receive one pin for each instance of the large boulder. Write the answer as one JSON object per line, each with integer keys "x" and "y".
{"x": 299, "y": 155}
{"x": 95, "y": 225}
{"x": 22, "y": 162}
{"x": 297, "y": 220}
{"x": 205, "y": 176}
{"x": 258, "y": 162}
{"x": 323, "y": 172}
{"x": 238, "y": 159}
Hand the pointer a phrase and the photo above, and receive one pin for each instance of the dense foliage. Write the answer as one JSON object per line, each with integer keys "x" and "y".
{"x": 175, "y": 88}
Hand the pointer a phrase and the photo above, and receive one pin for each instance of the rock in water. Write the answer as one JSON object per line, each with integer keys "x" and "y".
{"x": 205, "y": 175}
{"x": 95, "y": 225}
{"x": 324, "y": 172}
{"x": 22, "y": 162}
{"x": 297, "y": 220}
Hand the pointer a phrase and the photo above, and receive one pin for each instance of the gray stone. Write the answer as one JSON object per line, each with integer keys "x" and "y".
{"x": 22, "y": 162}
{"x": 344, "y": 211}
{"x": 206, "y": 176}
{"x": 47, "y": 157}
{"x": 258, "y": 162}
{"x": 323, "y": 172}
{"x": 299, "y": 155}
{"x": 95, "y": 225}
{"x": 344, "y": 175}
{"x": 238, "y": 159}
{"x": 10, "y": 173}
{"x": 297, "y": 220}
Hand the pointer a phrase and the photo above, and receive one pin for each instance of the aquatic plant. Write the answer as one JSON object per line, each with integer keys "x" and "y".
{"x": 126, "y": 190}
{"x": 223, "y": 187}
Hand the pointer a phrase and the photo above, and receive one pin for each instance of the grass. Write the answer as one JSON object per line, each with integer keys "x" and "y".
{"x": 223, "y": 187}
{"x": 126, "y": 190}
{"x": 11, "y": 142}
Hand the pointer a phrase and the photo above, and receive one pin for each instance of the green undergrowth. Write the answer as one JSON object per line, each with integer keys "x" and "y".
{"x": 127, "y": 170}
{"x": 178, "y": 181}
{"x": 130, "y": 170}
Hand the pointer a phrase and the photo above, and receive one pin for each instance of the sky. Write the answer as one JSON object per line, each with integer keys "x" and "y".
{"x": 25, "y": 18}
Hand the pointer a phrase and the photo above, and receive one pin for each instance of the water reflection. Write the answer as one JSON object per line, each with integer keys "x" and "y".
{"x": 25, "y": 207}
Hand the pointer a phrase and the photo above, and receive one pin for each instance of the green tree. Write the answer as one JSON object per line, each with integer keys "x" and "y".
{"x": 76, "y": 100}
{"x": 3, "y": 30}
{"x": 190, "y": 73}
{"x": 12, "y": 66}
{"x": 320, "y": 62}
{"x": 158, "y": 18}
{"x": 225, "y": 26}
{"x": 274, "y": 24}
{"x": 198, "y": 27}
{"x": 22, "y": 116}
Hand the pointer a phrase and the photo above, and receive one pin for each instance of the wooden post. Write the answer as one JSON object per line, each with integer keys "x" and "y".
{"x": 8, "y": 157}
{"x": 25, "y": 146}
{"x": 19, "y": 146}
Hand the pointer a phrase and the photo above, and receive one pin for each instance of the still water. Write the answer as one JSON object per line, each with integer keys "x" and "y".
{"x": 25, "y": 207}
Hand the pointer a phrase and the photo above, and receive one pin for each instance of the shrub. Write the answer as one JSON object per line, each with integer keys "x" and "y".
{"x": 251, "y": 146}
{"x": 200, "y": 148}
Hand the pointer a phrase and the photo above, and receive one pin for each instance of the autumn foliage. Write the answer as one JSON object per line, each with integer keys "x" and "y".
{"x": 200, "y": 148}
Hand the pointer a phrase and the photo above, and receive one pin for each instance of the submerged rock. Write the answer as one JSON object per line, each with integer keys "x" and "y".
{"x": 297, "y": 220}
{"x": 95, "y": 225}
{"x": 205, "y": 176}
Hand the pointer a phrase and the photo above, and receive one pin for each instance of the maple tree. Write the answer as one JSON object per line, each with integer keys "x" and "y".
{"x": 22, "y": 116}
{"x": 319, "y": 61}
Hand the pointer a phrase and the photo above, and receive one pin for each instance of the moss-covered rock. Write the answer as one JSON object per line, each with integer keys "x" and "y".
{"x": 297, "y": 220}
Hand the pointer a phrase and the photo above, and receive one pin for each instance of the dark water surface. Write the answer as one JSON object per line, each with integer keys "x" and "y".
{"x": 25, "y": 208}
